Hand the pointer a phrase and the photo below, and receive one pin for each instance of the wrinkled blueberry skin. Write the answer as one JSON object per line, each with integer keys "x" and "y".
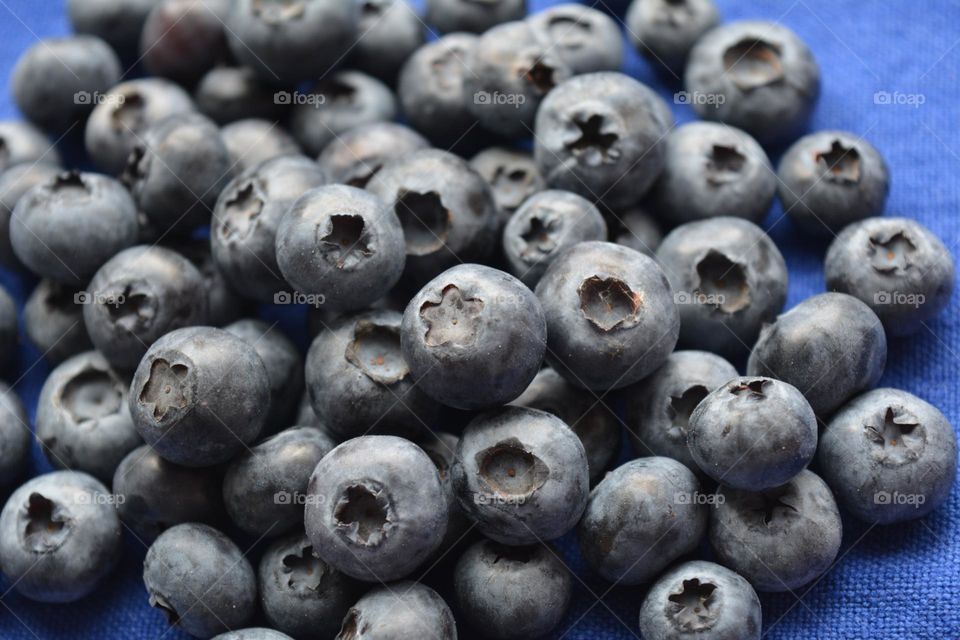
{"x": 228, "y": 94}
{"x": 449, "y": 16}
{"x": 887, "y": 444}
{"x": 253, "y": 141}
{"x": 243, "y": 236}
{"x": 288, "y": 43}
{"x": 14, "y": 436}
{"x": 67, "y": 226}
{"x": 354, "y": 157}
{"x": 154, "y": 495}
{"x": 253, "y": 633}
{"x": 342, "y": 243}
{"x": 389, "y": 32}
{"x": 8, "y": 327}
{"x": 641, "y": 517}
{"x": 585, "y": 39}
{"x": 301, "y": 594}
{"x": 119, "y": 22}
{"x": 183, "y": 39}
{"x": 399, "y": 611}
{"x": 779, "y": 539}
{"x": 119, "y": 121}
{"x": 594, "y": 423}
{"x": 541, "y": 501}
{"x": 458, "y": 330}
{"x": 658, "y": 407}
{"x": 53, "y": 322}
{"x": 830, "y": 347}
{"x": 262, "y": 484}
{"x": 83, "y": 417}
{"x": 200, "y": 580}
{"x": 441, "y": 447}
{"x": 599, "y": 344}
{"x": 344, "y": 100}
{"x": 14, "y": 183}
{"x": 138, "y": 296}
{"x": 375, "y": 509}
{"x": 601, "y": 135}
{"x": 701, "y": 599}
{"x": 199, "y": 395}
{"x": 713, "y": 170}
{"x": 59, "y": 537}
{"x": 545, "y": 225}
{"x": 665, "y": 31}
{"x": 445, "y": 207}
{"x": 637, "y": 229}
{"x": 895, "y": 266}
{"x": 729, "y": 279}
{"x": 359, "y": 382}
{"x": 753, "y": 433}
{"x": 50, "y": 79}
{"x": 512, "y": 592}
{"x": 512, "y": 176}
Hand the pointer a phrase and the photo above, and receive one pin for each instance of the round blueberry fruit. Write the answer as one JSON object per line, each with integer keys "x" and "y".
{"x": 666, "y": 30}
{"x": 400, "y": 610}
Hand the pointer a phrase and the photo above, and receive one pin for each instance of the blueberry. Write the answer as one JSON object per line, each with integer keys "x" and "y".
{"x": 441, "y": 447}
{"x": 200, "y": 580}
{"x": 458, "y": 328}
{"x": 453, "y": 15}
{"x": 522, "y": 475}
{"x": 666, "y": 30}
{"x": 119, "y": 22}
{"x": 545, "y": 225}
{"x": 199, "y": 395}
{"x": 897, "y": 267}
{"x": 512, "y": 592}
{"x": 728, "y": 278}
{"x": 67, "y": 226}
{"x": 138, "y": 296}
{"x": 636, "y": 228}
{"x": 227, "y": 94}
{"x": 253, "y": 633}
{"x": 244, "y": 233}
{"x": 14, "y": 436}
{"x": 354, "y": 157}
{"x": 15, "y": 182}
{"x": 375, "y": 508}
{"x": 8, "y": 327}
{"x": 253, "y": 141}
{"x": 264, "y": 486}
{"x": 601, "y": 135}
{"x": 56, "y": 82}
{"x": 22, "y": 143}
{"x": 713, "y": 170}
{"x": 338, "y": 103}
{"x": 59, "y": 537}
{"x": 512, "y": 176}
{"x": 611, "y": 317}
{"x": 300, "y": 593}
{"x": 641, "y": 517}
{"x": 658, "y": 408}
{"x": 224, "y": 304}
{"x": 183, "y": 39}
{"x": 586, "y": 39}
{"x": 343, "y": 244}
{"x": 399, "y": 610}
{"x": 389, "y": 31}
{"x": 53, "y": 322}
{"x": 779, "y": 539}
{"x": 830, "y": 179}
{"x": 154, "y": 495}
{"x": 830, "y": 347}
{"x": 701, "y": 599}
{"x": 757, "y": 76}
{"x": 889, "y": 456}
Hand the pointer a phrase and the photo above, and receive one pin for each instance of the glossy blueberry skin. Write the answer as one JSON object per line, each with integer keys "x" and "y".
{"x": 243, "y": 236}
{"x": 729, "y": 280}
{"x": 641, "y": 517}
{"x": 253, "y": 633}
{"x": 23, "y": 143}
{"x": 227, "y": 94}
{"x": 889, "y": 456}
{"x": 83, "y": 420}
{"x": 375, "y": 508}
{"x": 445, "y": 207}
{"x": 397, "y": 611}
{"x": 342, "y": 243}
{"x": 263, "y": 485}
{"x": 601, "y": 135}
{"x": 449, "y": 16}
{"x": 665, "y": 31}
{"x": 585, "y": 39}
{"x": 637, "y": 229}
{"x": 542, "y": 501}
{"x": 593, "y": 421}
{"x": 53, "y": 322}
{"x": 611, "y": 317}
{"x": 766, "y": 75}
{"x": 138, "y": 296}
{"x": 119, "y": 121}
{"x": 830, "y": 347}
{"x": 183, "y": 39}
{"x": 703, "y": 600}
{"x": 54, "y": 82}
{"x": 458, "y": 328}
{"x": 199, "y": 395}
{"x": 59, "y": 537}
{"x": 154, "y": 495}
{"x": 512, "y": 592}
{"x": 14, "y": 436}
{"x": 512, "y": 176}
{"x": 713, "y": 170}
{"x": 14, "y": 183}
{"x": 658, "y": 407}
{"x": 342, "y": 101}
{"x": 354, "y": 157}
{"x": 200, "y": 580}
{"x": 389, "y": 32}
{"x": 779, "y": 539}
{"x": 253, "y": 141}
{"x": 8, "y": 327}
{"x": 895, "y": 266}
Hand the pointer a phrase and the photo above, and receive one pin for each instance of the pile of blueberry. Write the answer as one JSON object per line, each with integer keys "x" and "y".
{"x": 474, "y": 320}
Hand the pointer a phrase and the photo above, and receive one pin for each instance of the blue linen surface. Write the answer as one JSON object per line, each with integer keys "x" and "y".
{"x": 895, "y": 582}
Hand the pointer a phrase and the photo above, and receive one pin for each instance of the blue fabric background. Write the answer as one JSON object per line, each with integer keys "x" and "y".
{"x": 893, "y": 582}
